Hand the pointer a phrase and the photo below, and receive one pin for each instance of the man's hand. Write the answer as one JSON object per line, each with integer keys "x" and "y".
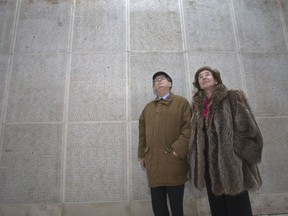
{"x": 142, "y": 163}
{"x": 175, "y": 154}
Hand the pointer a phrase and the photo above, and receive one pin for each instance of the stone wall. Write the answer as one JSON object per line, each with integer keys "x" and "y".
{"x": 75, "y": 75}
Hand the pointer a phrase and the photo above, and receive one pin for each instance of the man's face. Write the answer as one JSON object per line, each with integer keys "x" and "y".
{"x": 160, "y": 84}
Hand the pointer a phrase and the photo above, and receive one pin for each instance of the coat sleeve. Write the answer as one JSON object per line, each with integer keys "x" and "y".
{"x": 248, "y": 142}
{"x": 181, "y": 145}
{"x": 142, "y": 137}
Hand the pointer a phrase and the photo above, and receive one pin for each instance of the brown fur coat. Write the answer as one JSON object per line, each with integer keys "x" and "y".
{"x": 235, "y": 143}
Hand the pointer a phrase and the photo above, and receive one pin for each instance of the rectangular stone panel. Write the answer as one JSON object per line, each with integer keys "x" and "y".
{"x": 3, "y": 75}
{"x": 266, "y": 77}
{"x": 274, "y": 203}
{"x": 155, "y": 25}
{"x": 7, "y": 16}
{"x": 94, "y": 209}
{"x": 259, "y": 26}
{"x": 209, "y": 25}
{"x": 98, "y": 87}
{"x": 31, "y": 209}
{"x": 284, "y": 7}
{"x": 96, "y": 166}
{"x": 140, "y": 189}
{"x": 30, "y": 163}
{"x": 99, "y": 26}
{"x": 226, "y": 63}
{"x": 143, "y": 66}
{"x": 43, "y": 26}
{"x": 36, "y": 92}
{"x": 273, "y": 167}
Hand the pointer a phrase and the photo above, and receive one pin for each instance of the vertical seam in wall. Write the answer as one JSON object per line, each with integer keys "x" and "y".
{"x": 185, "y": 51}
{"x": 9, "y": 73}
{"x": 66, "y": 102}
{"x": 128, "y": 105}
{"x": 282, "y": 19}
{"x": 238, "y": 47}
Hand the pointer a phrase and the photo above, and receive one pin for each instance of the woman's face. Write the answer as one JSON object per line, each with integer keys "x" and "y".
{"x": 206, "y": 80}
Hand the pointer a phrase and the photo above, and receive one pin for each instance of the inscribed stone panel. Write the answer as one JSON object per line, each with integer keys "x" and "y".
{"x": 37, "y": 88}
{"x": 30, "y": 163}
{"x": 267, "y": 78}
{"x": 155, "y": 25}
{"x": 98, "y": 87}
{"x": 209, "y": 25}
{"x": 273, "y": 167}
{"x": 259, "y": 26}
{"x": 96, "y": 167}
{"x": 7, "y": 14}
{"x": 43, "y": 26}
{"x": 100, "y": 26}
{"x": 143, "y": 66}
{"x": 226, "y": 63}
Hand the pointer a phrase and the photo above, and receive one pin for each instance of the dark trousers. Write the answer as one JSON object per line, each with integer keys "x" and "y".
{"x": 225, "y": 205}
{"x": 159, "y": 200}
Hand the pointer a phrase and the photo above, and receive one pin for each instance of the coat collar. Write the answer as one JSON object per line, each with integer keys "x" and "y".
{"x": 219, "y": 93}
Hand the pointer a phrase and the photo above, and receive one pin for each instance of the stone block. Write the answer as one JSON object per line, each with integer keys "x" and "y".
{"x": 284, "y": 7}
{"x": 209, "y": 26}
{"x": 259, "y": 26}
{"x": 140, "y": 189}
{"x": 155, "y": 25}
{"x": 266, "y": 77}
{"x": 273, "y": 167}
{"x": 92, "y": 209}
{"x": 96, "y": 167}
{"x": 143, "y": 66}
{"x": 36, "y": 91}
{"x": 274, "y": 203}
{"x": 30, "y": 163}
{"x": 3, "y": 76}
{"x": 33, "y": 209}
{"x": 98, "y": 87}
{"x": 43, "y": 26}
{"x": 7, "y": 16}
{"x": 100, "y": 26}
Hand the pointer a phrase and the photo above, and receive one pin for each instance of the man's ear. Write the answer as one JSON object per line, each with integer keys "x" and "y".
{"x": 169, "y": 84}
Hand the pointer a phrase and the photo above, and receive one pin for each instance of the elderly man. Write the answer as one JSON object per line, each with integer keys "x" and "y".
{"x": 164, "y": 133}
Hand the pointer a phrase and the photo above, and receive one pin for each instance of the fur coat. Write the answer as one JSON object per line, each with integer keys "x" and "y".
{"x": 234, "y": 140}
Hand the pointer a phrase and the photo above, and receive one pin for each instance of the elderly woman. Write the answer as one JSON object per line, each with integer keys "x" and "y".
{"x": 225, "y": 146}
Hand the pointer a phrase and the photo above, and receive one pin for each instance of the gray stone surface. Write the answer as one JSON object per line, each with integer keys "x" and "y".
{"x": 209, "y": 26}
{"x": 43, "y": 26}
{"x": 34, "y": 209}
{"x": 155, "y": 25}
{"x": 7, "y": 15}
{"x": 78, "y": 73}
{"x": 96, "y": 167}
{"x": 267, "y": 83}
{"x": 3, "y": 76}
{"x": 99, "y": 26}
{"x": 259, "y": 26}
{"x": 30, "y": 163}
{"x": 98, "y": 87}
{"x": 274, "y": 162}
{"x": 36, "y": 93}
{"x": 140, "y": 190}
